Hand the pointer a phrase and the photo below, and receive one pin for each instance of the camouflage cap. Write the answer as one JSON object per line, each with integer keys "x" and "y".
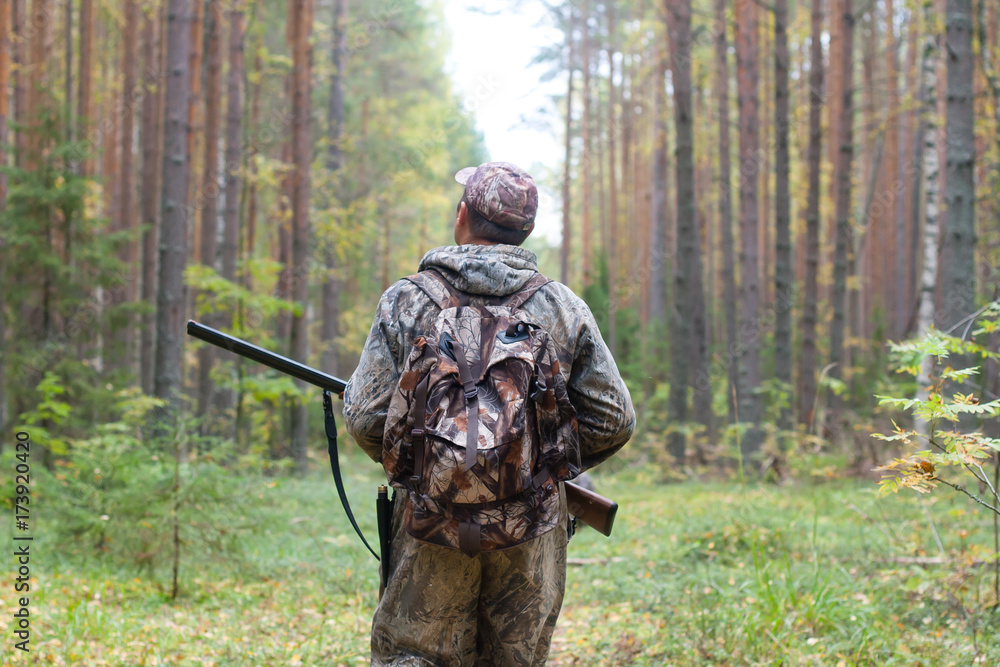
{"x": 502, "y": 193}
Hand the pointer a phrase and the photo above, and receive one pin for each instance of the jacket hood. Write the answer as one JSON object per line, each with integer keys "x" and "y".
{"x": 494, "y": 270}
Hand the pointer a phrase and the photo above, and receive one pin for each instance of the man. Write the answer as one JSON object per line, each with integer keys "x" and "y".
{"x": 442, "y": 607}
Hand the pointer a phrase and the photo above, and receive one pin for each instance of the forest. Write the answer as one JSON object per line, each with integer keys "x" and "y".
{"x": 785, "y": 217}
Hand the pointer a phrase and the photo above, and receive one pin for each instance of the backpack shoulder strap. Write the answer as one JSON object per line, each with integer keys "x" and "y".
{"x": 438, "y": 289}
{"x": 520, "y": 297}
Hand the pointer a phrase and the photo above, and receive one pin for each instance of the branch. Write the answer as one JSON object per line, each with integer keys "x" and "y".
{"x": 964, "y": 465}
{"x": 961, "y": 489}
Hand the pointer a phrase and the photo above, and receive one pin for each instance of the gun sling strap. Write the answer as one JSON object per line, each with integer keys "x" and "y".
{"x": 331, "y": 436}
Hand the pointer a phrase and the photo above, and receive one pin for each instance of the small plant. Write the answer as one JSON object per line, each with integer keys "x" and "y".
{"x": 945, "y": 448}
{"x": 940, "y": 451}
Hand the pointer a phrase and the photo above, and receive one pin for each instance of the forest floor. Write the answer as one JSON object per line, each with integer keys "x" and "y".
{"x": 823, "y": 573}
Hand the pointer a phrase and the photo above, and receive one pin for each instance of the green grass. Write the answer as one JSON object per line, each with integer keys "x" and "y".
{"x": 695, "y": 574}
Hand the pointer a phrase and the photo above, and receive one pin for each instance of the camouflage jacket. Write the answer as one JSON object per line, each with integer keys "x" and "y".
{"x": 596, "y": 390}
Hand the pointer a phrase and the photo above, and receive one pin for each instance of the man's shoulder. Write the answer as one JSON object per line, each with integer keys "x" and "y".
{"x": 400, "y": 295}
{"x": 557, "y": 297}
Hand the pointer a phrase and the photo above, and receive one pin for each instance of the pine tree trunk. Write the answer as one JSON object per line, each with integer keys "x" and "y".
{"x": 38, "y": 92}
{"x": 807, "y": 369}
{"x": 587, "y": 152}
{"x": 782, "y": 209}
{"x": 194, "y": 63}
{"x": 207, "y": 200}
{"x": 749, "y": 347}
{"x": 895, "y": 219}
{"x": 301, "y": 242}
{"x": 567, "y": 165}
{"x": 68, "y": 63}
{"x": 122, "y": 327}
{"x": 85, "y": 100}
{"x": 842, "y": 213}
{"x": 611, "y": 247}
{"x": 330, "y": 330}
{"x": 152, "y": 162}
{"x": 958, "y": 274}
{"x": 682, "y": 338}
{"x": 763, "y": 166}
{"x": 251, "y": 160}
{"x": 5, "y": 58}
{"x": 224, "y": 398}
{"x": 173, "y": 239}
{"x": 726, "y": 208}
{"x": 658, "y": 213}
{"x": 834, "y": 111}
{"x": 234, "y": 145}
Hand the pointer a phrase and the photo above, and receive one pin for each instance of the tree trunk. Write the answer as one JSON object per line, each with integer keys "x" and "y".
{"x": 834, "y": 97}
{"x": 224, "y": 398}
{"x": 5, "y": 58}
{"x": 726, "y": 209}
{"x": 958, "y": 274}
{"x": 17, "y": 22}
{"x": 658, "y": 213}
{"x": 173, "y": 239}
{"x": 301, "y": 242}
{"x": 911, "y": 176}
{"x": 763, "y": 168}
{"x": 194, "y": 63}
{"x": 612, "y": 244}
{"x": 842, "y": 177}
{"x": 234, "y": 146}
{"x": 330, "y": 330}
{"x": 567, "y": 165}
{"x": 251, "y": 195}
{"x": 682, "y": 343}
{"x": 68, "y": 62}
{"x": 807, "y": 369}
{"x": 85, "y": 102}
{"x": 122, "y": 327}
{"x": 894, "y": 219}
{"x": 782, "y": 218}
{"x": 38, "y": 93}
{"x": 152, "y": 161}
{"x": 587, "y": 153}
{"x": 749, "y": 367}
{"x": 208, "y": 199}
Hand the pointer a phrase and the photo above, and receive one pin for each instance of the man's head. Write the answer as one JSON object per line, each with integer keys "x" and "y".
{"x": 498, "y": 206}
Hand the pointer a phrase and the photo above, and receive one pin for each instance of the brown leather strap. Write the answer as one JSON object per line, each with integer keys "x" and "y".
{"x": 469, "y": 538}
{"x": 472, "y": 405}
{"x": 418, "y": 434}
{"x": 518, "y": 298}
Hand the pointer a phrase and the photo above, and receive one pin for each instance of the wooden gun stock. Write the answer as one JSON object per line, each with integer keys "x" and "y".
{"x": 591, "y": 508}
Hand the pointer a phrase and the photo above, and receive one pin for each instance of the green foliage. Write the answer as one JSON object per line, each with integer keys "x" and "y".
{"x": 695, "y": 574}
{"x": 60, "y": 281}
{"x": 119, "y": 494}
{"x": 941, "y": 451}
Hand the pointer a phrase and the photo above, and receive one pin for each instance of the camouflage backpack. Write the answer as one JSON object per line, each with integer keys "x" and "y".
{"x": 480, "y": 428}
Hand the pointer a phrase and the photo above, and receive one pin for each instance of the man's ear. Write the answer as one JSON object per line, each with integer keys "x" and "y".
{"x": 461, "y": 223}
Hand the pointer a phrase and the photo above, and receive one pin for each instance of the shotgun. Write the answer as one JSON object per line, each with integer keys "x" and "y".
{"x": 591, "y": 508}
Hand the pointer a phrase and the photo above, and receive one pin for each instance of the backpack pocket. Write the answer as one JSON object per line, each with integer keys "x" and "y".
{"x": 504, "y": 457}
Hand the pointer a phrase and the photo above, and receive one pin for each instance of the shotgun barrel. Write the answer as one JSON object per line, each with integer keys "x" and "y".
{"x": 591, "y": 508}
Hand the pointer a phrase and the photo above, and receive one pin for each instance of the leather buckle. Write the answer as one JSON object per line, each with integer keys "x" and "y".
{"x": 417, "y": 434}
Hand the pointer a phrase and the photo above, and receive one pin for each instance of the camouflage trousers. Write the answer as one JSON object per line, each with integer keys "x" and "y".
{"x": 442, "y": 608}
